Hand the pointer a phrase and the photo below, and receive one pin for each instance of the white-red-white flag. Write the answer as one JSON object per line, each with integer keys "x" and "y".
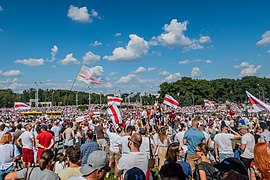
{"x": 257, "y": 104}
{"x": 114, "y": 100}
{"x": 114, "y": 114}
{"x": 208, "y": 102}
{"x": 156, "y": 103}
{"x": 170, "y": 101}
{"x": 21, "y": 106}
{"x": 82, "y": 118}
{"x": 90, "y": 75}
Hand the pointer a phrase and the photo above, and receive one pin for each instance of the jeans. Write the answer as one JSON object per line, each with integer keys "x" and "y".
{"x": 223, "y": 156}
{"x": 3, "y": 173}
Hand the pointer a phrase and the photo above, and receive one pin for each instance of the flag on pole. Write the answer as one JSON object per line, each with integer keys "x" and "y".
{"x": 82, "y": 118}
{"x": 88, "y": 75}
{"x": 170, "y": 101}
{"x": 21, "y": 106}
{"x": 208, "y": 102}
{"x": 114, "y": 114}
{"x": 114, "y": 100}
{"x": 257, "y": 104}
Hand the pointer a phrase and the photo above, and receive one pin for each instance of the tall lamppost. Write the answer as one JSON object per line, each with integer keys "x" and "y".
{"x": 36, "y": 95}
{"x": 89, "y": 98}
{"x": 52, "y": 97}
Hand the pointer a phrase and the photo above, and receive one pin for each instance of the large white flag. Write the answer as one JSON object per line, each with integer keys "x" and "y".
{"x": 170, "y": 101}
{"x": 114, "y": 100}
{"x": 257, "y": 104}
{"x": 90, "y": 75}
{"x": 21, "y": 106}
{"x": 114, "y": 114}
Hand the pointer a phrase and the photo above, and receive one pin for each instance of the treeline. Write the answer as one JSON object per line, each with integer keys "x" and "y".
{"x": 187, "y": 91}
{"x": 190, "y": 91}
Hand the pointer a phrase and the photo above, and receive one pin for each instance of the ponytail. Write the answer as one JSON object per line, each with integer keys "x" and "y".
{"x": 45, "y": 159}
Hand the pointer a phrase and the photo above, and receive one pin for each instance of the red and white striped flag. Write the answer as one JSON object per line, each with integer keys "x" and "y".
{"x": 21, "y": 106}
{"x": 156, "y": 103}
{"x": 114, "y": 100}
{"x": 88, "y": 75}
{"x": 114, "y": 114}
{"x": 170, "y": 101}
{"x": 208, "y": 102}
{"x": 82, "y": 118}
{"x": 257, "y": 104}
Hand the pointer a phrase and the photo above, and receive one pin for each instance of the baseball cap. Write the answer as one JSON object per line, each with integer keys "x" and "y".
{"x": 243, "y": 127}
{"x": 96, "y": 160}
{"x": 232, "y": 163}
{"x": 134, "y": 174}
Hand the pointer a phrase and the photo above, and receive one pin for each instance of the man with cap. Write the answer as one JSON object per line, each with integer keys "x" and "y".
{"x": 231, "y": 168}
{"x": 247, "y": 145}
{"x": 96, "y": 167}
{"x": 265, "y": 135}
{"x": 44, "y": 140}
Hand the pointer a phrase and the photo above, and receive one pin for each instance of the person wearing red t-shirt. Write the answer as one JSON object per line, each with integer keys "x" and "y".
{"x": 44, "y": 140}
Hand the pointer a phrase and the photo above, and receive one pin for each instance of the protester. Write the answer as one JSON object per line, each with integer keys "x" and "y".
{"x": 100, "y": 132}
{"x": 68, "y": 135}
{"x": 134, "y": 174}
{"x": 124, "y": 141}
{"x": 59, "y": 165}
{"x": 172, "y": 171}
{"x": 88, "y": 147}
{"x": 262, "y": 158}
{"x": 179, "y": 137}
{"x": 44, "y": 140}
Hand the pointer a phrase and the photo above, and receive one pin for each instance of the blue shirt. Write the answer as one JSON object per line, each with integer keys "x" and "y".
{"x": 185, "y": 166}
{"x": 193, "y": 137}
{"x": 87, "y": 148}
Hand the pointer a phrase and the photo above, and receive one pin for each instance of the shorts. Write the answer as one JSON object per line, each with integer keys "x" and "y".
{"x": 27, "y": 155}
{"x": 102, "y": 142}
{"x": 114, "y": 156}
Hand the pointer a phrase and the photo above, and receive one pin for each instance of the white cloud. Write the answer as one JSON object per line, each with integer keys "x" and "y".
{"x": 90, "y": 57}
{"x": 11, "y": 73}
{"x": 196, "y": 72}
{"x": 69, "y": 60}
{"x": 265, "y": 39}
{"x": 94, "y": 13}
{"x": 208, "y": 61}
{"x": 1, "y": 8}
{"x": 30, "y": 62}
{"x": 79, "y": 14}
{"x": 247, "y": 69}
{"x": 186, "y": 61}
{"x": 143, "y": 69}
{"x": 117, "y": 34}
{"x": 173, "y": 36}
{"x": 126, "y": 79}
{"x": 170, "y": 76}
{"x": 96, "y": 43}
{"x": 204, "y": 39}
{"x": 268, "y": 51}
{"x": 136, "y": 48}
{"x": 96, "y": 71}
{"x": 54, "y": 51}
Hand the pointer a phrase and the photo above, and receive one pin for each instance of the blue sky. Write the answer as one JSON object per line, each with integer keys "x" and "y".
{"x": 134, "y": 45}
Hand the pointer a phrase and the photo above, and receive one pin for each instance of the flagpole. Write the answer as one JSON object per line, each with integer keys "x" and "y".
{"x": 76, "y": 78}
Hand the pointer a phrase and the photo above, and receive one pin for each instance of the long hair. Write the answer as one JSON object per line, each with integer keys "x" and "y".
{"x": 6, "y": 138}
{"x": 162, "y": 134}
{"x": 172, "y": 152}
{"x": 262, "y": 159}
{"x": 203, "y": 148}
{"x": 45, "y": 159}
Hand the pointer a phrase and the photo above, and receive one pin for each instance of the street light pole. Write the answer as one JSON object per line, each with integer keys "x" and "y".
{"x": 36, "y": 95}
{"x": 89, "y": 96}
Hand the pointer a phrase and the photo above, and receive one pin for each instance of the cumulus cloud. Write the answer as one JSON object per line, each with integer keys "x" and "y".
{"x": 143, "y": 69}
{"x": 30, "y": 62}
{"x": 173, "y": 36}
{"x": 126, "y": 79}
{"x": 196, "y": 72}
{"x": 208, "y": 61}
{"x": 247, "y": 69}
{"x": 54, "y": 51}
{"x": 96, "y": 43}
{"x": 1, "y": 8}
{"x": 79, "y": 14}
{"x": 170, "y": 76}
{"x": 136, "y": 48}
{"x": 265, "y": 39}
{"x": 69, "y": 60}
{"x": 11, "y": 73}
{"x": 117, "y": 34}
{"x": 90, "y": 57}
{"x": 186, "y": 61}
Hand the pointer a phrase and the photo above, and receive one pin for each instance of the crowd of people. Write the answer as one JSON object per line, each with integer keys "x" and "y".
{"x": 153, "y": 142}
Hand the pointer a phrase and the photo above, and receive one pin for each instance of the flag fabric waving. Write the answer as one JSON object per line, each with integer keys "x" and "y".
{"x": 170, "y": 101}
{"x": 114, "y": 100}
{"x": 21, "y": 106}
{"x": 257, "y": 104}
{"x": 114, "y": 114}
{"x": 82, "y": 118}
{"x": 208, "y": 102}
{"x": 88, "y": 76}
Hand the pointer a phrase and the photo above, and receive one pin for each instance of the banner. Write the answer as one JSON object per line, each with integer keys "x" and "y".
{"x": 257, "y": 104}
{"x": 170, "y": 101}
{"x": 21, "y": 106}
{"x": 114, "y": 100}
{"x": 114, "y": 114}
{"x": 208, "y": 102}
{"x": 87, "y": 75}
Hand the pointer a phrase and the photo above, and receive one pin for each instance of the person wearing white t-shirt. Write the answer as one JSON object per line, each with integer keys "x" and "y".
{"x": 179, "y": 137}
{"x": 223, "y": 143}
{"x": 124, "y": 141}
{"x": 135, "y": 158}
{"x": 247, "y": 145}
